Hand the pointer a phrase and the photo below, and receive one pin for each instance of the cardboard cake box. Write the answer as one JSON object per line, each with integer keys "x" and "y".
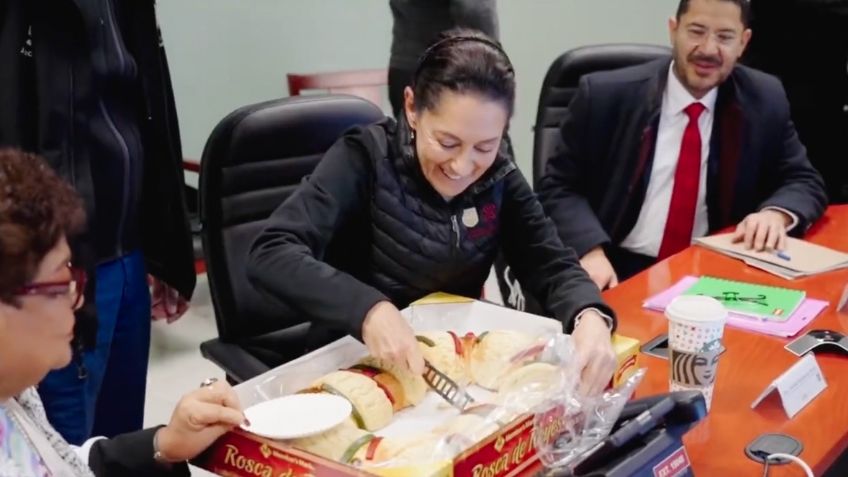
{"x": 509, "y": 451}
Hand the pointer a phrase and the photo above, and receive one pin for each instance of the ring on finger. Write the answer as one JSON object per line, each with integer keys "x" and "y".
{"x": 208, "y": 382}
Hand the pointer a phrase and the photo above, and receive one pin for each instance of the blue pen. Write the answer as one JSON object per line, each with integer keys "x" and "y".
{"x": 782, "y": 255}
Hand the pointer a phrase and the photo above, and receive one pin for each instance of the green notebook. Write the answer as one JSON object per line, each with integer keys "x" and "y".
{"x": 758, "y": 301}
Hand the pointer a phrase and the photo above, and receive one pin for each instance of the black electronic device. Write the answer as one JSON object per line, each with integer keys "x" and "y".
{"x": 648, "y": 431}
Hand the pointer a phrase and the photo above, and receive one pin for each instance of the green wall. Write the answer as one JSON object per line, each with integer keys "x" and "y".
{"x": 228, "y": 53}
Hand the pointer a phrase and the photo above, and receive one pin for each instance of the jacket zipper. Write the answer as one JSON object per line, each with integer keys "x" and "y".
{"x": 455, "y": 227}
{"x": 82, "y": 371}
{"x": 77, "y": 347}
{"x": 118, "y": 47}
{"x": 72, "y": 177}
{"x": 125, "y": 151}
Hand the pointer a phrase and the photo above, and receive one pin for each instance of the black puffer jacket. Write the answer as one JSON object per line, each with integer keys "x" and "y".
{"x": 366, "y": 226}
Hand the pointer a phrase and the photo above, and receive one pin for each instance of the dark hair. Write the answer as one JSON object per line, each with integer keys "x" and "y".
{"x": 464, "y": 61}
{"x": 36, "y": 209}
{"x": 744, "y": 7}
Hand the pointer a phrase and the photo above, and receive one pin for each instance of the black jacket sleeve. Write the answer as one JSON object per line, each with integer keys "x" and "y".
{"x": 543, "y": 266}
{"x": 286, "y": 259}
{"x": 130, "y": 455}
{"x": 798, "y": 186}
{"x": 561, "y": 189}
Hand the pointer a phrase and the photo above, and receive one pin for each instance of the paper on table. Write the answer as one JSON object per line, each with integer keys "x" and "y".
{"x": 756, "y": 300}
{"x": 782, "y": 272}
{"x": 805, "y": 313}
{"x": 805, "y": 258}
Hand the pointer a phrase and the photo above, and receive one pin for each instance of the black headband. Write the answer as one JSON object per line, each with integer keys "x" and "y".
{"x": 457, "y": 39}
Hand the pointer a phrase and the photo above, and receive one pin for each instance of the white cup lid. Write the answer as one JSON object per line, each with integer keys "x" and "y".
{"x": 696, "y": 309}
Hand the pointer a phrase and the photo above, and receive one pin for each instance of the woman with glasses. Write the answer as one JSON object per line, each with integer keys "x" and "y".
{"x": 39, "y": 291}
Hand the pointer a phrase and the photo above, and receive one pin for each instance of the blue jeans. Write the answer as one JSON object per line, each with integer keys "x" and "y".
{"x": 110, "y": 399}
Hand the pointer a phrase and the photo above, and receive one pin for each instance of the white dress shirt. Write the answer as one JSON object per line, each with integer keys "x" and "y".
{"x": 646, "y": 236}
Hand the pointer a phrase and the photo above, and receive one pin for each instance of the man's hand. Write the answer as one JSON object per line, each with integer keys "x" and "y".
{"x": 764, "y": 230}
{"x": 166, "y": 303}
{"x": 599, "y": 268}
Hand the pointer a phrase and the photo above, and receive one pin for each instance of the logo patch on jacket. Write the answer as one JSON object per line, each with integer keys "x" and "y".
{"x": 470, "y": 217}
{"x": 481, "y": 224}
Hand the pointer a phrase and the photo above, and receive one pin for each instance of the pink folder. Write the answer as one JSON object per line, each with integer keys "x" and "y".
{"x": 805, "y": 313}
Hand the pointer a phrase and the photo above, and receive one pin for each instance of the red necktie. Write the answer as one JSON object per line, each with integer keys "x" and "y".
{"x": 684, "y": 196}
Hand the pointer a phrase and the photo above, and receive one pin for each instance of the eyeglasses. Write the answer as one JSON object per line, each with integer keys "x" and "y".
{"x": 73, "y": 288}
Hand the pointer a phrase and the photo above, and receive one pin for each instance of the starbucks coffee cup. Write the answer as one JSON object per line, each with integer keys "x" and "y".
{"x": 695, "y": 331}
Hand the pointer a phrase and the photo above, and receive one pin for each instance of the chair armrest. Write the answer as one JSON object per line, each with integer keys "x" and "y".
{"x": 191, "y": 165}
{"x": 237, "y": 362}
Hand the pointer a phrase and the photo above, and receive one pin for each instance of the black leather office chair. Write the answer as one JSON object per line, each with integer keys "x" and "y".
{"x": 561, "y": 83}
{"x": 558, "y": 88}
{"x": 252, "y": 162}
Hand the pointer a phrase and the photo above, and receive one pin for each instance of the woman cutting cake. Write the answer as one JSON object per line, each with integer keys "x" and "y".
{"x": 424, "y": 205}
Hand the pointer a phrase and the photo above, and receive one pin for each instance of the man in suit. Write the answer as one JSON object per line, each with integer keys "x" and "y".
{"x": 654, "y": 155}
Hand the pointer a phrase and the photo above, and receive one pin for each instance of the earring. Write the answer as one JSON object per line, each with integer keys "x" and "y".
{"x": 412, "y": 134}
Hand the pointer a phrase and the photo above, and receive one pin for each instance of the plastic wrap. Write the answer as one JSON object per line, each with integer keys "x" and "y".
{"x": 568, "y": 425}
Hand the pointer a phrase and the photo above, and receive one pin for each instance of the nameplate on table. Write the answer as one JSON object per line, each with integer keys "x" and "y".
{"x": 796, "y": 387}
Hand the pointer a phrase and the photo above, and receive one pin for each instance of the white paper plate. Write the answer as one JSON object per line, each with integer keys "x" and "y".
{"x": 297, "y": 415}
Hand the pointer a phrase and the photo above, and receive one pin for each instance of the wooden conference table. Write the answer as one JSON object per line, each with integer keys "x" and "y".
{"x": 716, "y": 445}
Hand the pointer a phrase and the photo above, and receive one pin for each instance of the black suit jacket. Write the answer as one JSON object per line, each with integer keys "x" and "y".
{"x": 130, "y": 455}
{"x": 595, "y": 183}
